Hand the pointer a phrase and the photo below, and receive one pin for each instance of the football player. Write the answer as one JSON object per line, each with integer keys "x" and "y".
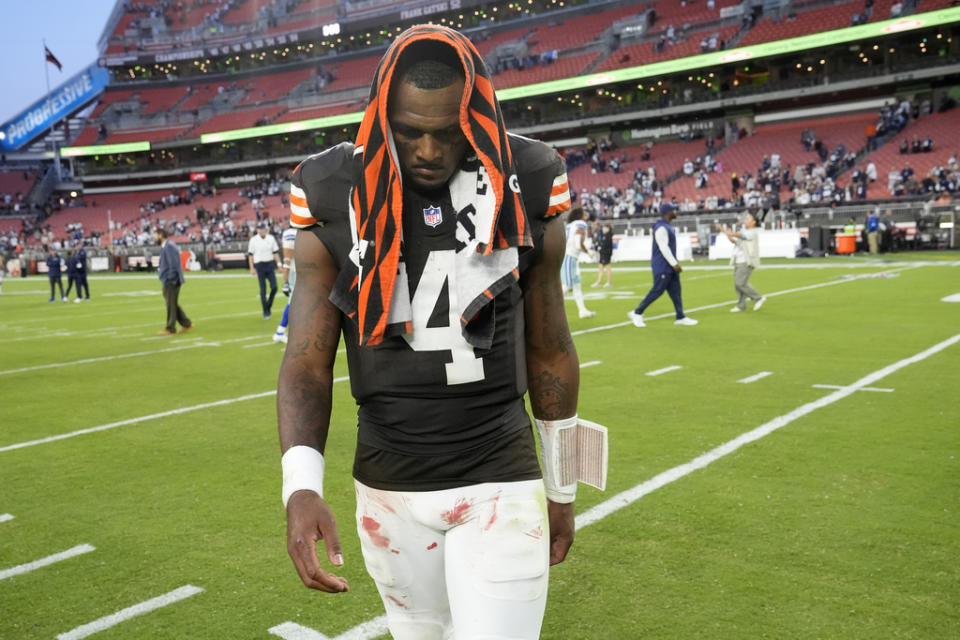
{"x": 576, "y": 244}
{"x": 433, "y": 244}
{"x": 287, "y": 243}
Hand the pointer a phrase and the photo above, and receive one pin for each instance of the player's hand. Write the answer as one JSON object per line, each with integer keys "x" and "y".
{"x": 253, "y": 271}
{"x": 677, "y": 268}
{"x": 309, "y": 519}
{"x": 561, "y": 530}
{"x": 286, "y": 289}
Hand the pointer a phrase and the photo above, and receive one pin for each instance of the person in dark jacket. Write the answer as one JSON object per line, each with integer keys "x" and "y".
{"x": 171, "y": 275}
{"x": 80, "y": 274}
{"x": 53, "y": 272}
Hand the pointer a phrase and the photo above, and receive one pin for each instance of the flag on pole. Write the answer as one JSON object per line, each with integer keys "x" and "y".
{"x": 52, "y": 58}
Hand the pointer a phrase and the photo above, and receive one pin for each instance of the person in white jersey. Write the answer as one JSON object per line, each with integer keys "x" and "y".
{"x": 287, "y": 243}
{"x": 576, "y": 243}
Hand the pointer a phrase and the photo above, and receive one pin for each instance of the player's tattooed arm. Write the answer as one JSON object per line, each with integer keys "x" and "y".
{"x": 553, "y": 370}
{"x": 305, "y": 385}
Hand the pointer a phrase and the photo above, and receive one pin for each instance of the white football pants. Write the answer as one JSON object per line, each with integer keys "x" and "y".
{"x": 470, "y": 563}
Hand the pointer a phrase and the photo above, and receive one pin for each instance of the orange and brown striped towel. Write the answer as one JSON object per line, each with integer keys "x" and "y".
{"x": 488, "y": 264}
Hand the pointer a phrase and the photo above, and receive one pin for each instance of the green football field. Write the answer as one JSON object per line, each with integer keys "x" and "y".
{"x": 787, "y": 473}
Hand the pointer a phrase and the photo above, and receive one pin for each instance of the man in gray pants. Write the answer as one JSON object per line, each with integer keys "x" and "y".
{"x": 171, "y": 275}
{"x": 745, "y": 258}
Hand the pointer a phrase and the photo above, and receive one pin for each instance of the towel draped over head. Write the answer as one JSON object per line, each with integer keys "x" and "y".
{"x": 376, "y": 201}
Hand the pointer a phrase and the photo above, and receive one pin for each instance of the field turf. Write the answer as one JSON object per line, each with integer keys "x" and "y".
{"x": 744, "y": 501}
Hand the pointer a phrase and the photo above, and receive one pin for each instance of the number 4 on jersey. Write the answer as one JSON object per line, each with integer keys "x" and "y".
{"x": 464, "y": 365}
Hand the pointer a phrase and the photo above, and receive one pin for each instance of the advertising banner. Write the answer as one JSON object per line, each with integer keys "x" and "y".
{"x": 61, "y": 102}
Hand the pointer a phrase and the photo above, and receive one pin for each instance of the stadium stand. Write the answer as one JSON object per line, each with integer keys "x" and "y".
{"x": 746, "y": 155}
{"x": 150, "y": 134}
{"x": 646, "y": 53}
{"x": 811, "y": 21}
{"x": 160, "y": 100}
{"x": 940, "y": 127}
{"x": 238, "y": 120}
{"x": 14, "y": 182}
{"x": 269, "y": 88}
{"x": 689, "y": 13}
{"x": 486, "y": 45}
{"x": 310, "y": 112}
{"x": 577, "y": 32}
{"x": 564, "y": 67}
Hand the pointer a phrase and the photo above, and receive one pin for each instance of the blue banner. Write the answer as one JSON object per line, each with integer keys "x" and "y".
{"x": 61, "y": 102}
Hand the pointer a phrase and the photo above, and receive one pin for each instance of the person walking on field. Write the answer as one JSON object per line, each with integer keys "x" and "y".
{"x": 745, "y": 258}
{"x": 666, "y": 270}
{"x": 170, "y": 272}
{"x": 605, "y": 254}
{"x": 433, "y": 245}
{"x": 576, "y": 230}
{"x": 263, "y": 253}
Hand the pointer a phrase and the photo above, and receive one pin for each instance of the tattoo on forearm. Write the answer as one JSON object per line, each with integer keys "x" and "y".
{"x": 549, "y": 396}
{"x": 303, "y": 409}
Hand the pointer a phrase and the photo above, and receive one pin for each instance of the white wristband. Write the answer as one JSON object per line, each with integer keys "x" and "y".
{"x": 558, "y": 449}
{"x": 302, "y": 470}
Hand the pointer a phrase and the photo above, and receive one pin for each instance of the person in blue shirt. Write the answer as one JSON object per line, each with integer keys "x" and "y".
{"x": 666, "y": 269}
{"x": 53, "y": 272}
{"x": 873, "y": 233}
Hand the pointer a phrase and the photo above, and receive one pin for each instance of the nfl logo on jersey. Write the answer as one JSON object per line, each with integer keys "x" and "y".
{"x": 432, "y": 216}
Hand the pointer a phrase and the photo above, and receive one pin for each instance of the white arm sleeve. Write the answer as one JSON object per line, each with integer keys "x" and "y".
{"x": 663, "y": 241}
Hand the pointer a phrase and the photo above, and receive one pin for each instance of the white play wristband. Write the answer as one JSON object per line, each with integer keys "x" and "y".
{"x": 302, "y": 471}
{"x": 558, "y": 449}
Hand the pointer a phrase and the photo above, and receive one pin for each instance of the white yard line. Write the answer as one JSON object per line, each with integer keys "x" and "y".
{"x": 592, "y": 363}
{"x": 260, "y": 344}
{"x": 837, "y": 386}
{"x": 630, "y": 496}
{"x": 658, "y": 372}
{"x": 139, "y": 609}
{"x": 755, "y": 377}
{"x": 43, "y": 562}
{"x": 5, "y": 517}
{"x": 153, "y": 416}
{"x": 194, "y": 342}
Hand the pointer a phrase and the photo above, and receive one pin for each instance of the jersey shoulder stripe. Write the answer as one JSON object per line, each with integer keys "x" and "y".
{"x": 316, "y": 185}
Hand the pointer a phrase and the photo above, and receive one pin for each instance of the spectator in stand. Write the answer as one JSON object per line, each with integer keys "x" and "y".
{"x": 927, "y": 145}
{"x": 904, "y": 147}
{"x": 54, "y": 264}
{"x": 916, "y": 146}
